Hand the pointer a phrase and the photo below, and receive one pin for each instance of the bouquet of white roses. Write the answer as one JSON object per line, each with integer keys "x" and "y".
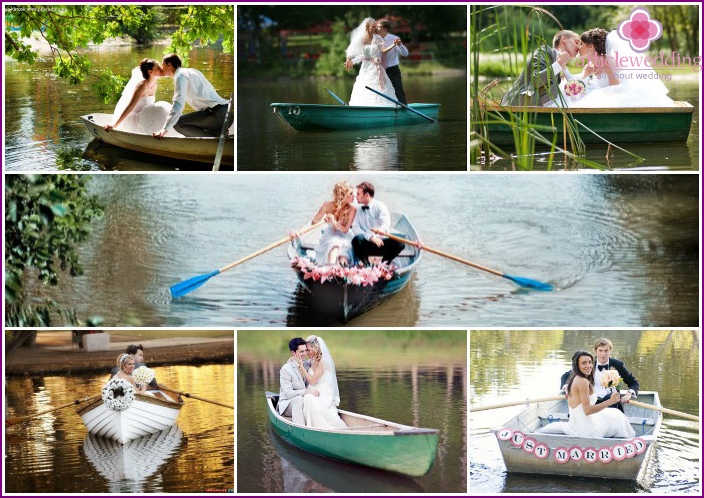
{"x": 143, "y": 375}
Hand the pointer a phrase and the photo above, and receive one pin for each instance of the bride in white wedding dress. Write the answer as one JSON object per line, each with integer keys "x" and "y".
{"x": 320, "y": 411}
{"x": 588, "y": 419}
{"x": 137, "y": 111}
{"x": 368, "y": 48}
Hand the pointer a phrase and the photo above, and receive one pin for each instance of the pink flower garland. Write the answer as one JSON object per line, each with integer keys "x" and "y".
{"x": 364, "y": 276}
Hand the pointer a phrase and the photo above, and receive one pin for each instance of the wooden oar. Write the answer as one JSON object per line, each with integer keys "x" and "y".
{"x": 664, "y": 410}
{"x": 336, "y": 97}
{"x": 182, "y": 288}
{"x": 515, "y": 403}
{"x": 522, "y": 281}
{"x": 223, "y": 134}
{"x": 187, "y": 395}
{"x": 16, "y": 420}
{"x": 401, "y": 104}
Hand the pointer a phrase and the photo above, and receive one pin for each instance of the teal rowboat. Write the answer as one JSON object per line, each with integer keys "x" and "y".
{"x": 366, "y": 441}
{"x": 320, "y": 117}
{"x": 617, "y": 125}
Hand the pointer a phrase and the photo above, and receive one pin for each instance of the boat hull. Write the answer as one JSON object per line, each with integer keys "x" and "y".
{"x": 616, "y": 125}
{"x": 318, "y": 117}
{"x": 346, "y": 301}
{"x": 518, "y": 459}
{"x": 184, "y": 148}
{"x": 402, "y": 449}
{"x": 144, "y": 416}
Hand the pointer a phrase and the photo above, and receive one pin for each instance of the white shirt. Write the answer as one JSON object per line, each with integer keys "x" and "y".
{"x": 377, "y": 216}
{"x": 598, "y": 388}
{"x": 190, "y": 86}
{"x": 391, "y": 57}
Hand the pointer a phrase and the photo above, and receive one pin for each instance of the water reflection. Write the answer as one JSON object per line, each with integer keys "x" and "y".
{"x": 376, "y": 153}
{"x": 513, "y": 365}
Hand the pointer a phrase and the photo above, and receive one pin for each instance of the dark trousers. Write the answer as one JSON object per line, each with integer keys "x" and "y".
{"x": 394, "y": 74}
{"x": 364, "y": 248}
{"x": 204, "y": 123}
{"x": 618, "y": 406}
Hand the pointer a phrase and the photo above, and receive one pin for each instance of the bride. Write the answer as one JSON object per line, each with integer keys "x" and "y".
{"x": 368, "y": 48}
{"x": 609, "y": 83}
{"x": 136, "y": 110}
{"x": 320, "y": 411}
{"x": 588, "y": 419}
{"x": 335, "y": 244}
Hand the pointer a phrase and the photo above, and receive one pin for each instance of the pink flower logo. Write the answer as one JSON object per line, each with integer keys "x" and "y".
{"x": 639, "y": 30}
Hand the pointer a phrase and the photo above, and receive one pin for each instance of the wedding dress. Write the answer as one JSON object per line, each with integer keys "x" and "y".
{"x": 609, "y": 422}
{"x": 320, "y": 412}
{"x": 332, "y": 238}
{"x": 371, "y": 73}
{"x": 591, "y": 83}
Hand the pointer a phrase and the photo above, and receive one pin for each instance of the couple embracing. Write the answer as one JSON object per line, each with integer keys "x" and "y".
{"x": 137, "y": 111}
{"x": 309, "y": 393}
{"x": 352, "y": 216}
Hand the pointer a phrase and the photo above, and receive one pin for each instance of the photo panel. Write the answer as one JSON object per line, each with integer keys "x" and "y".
{"x": 352, "y": 411}
{"x": 166, "y": 407}
{"x": 528, "y": 437}
{"x": 585, "y": 87}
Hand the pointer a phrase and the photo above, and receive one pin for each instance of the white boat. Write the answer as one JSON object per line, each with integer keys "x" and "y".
{"x": 529, "y": 444}
{"x": 185, "y": 148}
{"x": 146, "y": 414}
{"x": 127, "y": 466}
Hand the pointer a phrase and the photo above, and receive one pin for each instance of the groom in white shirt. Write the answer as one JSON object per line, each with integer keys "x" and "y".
{"x": 190, "y": 86}
{"x": 293, "y": 385}
{"x": 390, "y": 58}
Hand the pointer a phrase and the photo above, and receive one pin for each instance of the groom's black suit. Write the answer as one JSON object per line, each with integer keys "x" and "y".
{"x": 628, "y": 378}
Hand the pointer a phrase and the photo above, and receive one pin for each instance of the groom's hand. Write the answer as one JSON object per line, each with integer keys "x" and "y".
{"x": 159, "y": 134}
{"x": 313, "y": 391}
{"x": 563, "y": 58}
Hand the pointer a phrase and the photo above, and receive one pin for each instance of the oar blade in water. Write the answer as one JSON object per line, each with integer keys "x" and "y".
{"x": 529, "y": 283}
{"x": 183, "y": 288}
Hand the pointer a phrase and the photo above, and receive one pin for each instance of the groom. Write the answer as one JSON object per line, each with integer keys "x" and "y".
{"x": 604, "y": 362}
{"x": 538, "y": 83}
{"x": 190, "y": 86}
{"x": 293, "y": 385}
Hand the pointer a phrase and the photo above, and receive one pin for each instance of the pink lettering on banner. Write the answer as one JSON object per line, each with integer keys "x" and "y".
{"x": 619, "y": 452}
{"x": 562, "y": 455}
{"x": 504, "y": 434}
{"x": 605, "y": 455}
{"x": 630, "y": 449}
{"x": 517, "y": 439}
{"x": 541, "y": 451}
{"x": 590, "y": 455}
{"x": 529, "y": 445}
{"x": 576, "y": 453}
{"x": 640, "y": 445}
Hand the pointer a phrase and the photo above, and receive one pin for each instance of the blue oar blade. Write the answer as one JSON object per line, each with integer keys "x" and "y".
{"x": 182, "y": 288}
{"x": 529, "y": 283}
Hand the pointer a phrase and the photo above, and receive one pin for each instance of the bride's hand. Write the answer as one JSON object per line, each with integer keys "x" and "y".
{"x": 614, "y": 398}
{"x": 108, "y": 127}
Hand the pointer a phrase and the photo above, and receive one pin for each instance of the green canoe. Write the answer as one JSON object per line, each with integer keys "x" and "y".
{"x": 366, "y": 441}
{"x": 320, "y": 117}
{"x": 619, "y": 125}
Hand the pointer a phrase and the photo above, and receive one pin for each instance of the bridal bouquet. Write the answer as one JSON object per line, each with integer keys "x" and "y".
{"x": 143, "y": 375}
{"x": 611, "y": 379}
{"x": 574, "y": 88}
{"x": 363, "y": 276}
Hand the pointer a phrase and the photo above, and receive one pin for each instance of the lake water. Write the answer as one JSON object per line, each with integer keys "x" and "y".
{"x": 392, "y": 375}
{"x": 621, "y": 250}
{"x": 656, "y": 156}
{"x": 54, "y": 454}
{"x": 42, "y": 112}
{"x": 264, "y": 142}
{"x": 509, "y": 366}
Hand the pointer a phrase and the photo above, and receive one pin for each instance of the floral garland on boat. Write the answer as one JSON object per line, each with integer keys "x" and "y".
{"x": 364, "y": 276}
{"x": 118, "y": 394}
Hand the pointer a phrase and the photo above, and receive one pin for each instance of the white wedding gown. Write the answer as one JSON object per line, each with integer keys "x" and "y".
{"x": 609, "y": 422}
{"x": 147, "y": 117}
{"x": 373, "y": 75}
{"x": 320, "y": 412}
{"x": 332, "y": 238}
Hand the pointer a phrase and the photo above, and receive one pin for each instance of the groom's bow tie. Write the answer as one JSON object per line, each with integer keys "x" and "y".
{"x": 602, "y": 367}
{"x": 365, "y": 208}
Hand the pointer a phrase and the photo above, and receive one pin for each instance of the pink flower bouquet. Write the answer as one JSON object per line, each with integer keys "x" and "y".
{"x": 364, "y": 276}
{"x": 611, "y": 379}
{"x": 574, "y": 88}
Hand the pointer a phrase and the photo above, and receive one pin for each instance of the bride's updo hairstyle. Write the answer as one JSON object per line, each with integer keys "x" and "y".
{"x": 596, "y": 37}
{"x": 576, "y": 372}
{"x": 313, "y": 341}
{"x": 146, "y": 65}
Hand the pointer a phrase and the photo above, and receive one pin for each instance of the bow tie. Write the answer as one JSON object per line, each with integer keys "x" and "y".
{"x": 365, "y": 208}
{"x": 602, "y": 367}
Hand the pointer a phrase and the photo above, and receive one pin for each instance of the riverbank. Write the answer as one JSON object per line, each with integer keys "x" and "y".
{"x": 55, "y": 353}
